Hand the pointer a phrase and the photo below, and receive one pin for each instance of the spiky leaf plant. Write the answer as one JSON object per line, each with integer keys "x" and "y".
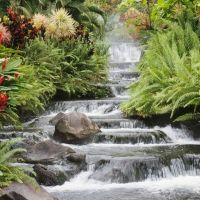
{"x": 170, "y": 74}
{"x": 8, "y": 172}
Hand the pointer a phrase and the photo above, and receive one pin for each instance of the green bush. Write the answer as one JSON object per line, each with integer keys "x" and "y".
{"x": 83, "y": 65}
{"x": 74, "y": 66}
{"x": 17, "y": 80}
{"x": 170, "y": 74}
{"x": 45, "y": 59}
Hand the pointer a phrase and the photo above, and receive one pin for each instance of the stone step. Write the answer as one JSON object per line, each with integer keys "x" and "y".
{"x": 132, "y": 137}
{"x": 132, "y": 163}
{"x": 86, "y": 106}
{"x": 119, "y": 123}
{"x": 123, "y": 75}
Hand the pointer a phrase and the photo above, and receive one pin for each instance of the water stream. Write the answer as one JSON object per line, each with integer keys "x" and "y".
{"x": 128, "y": 160}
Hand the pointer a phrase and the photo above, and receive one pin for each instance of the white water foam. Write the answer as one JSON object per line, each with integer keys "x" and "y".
{"x": 82, "y": 182}
{"x": 124, "y": 52}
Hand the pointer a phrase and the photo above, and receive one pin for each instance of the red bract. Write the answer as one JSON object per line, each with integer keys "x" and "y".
{"x": 11, "y": 13}
{"x": 16, "y": 75}
{"x": 2, "y": 79}
{"x": 1, "y": 38}
{"x": 3, "y": 101}
{"x": 21, "y": 29}
{"x": 4, "y": 64}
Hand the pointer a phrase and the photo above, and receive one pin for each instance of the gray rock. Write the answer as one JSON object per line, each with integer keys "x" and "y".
{"x": 55, "y": 119}
{"x": 47, "y": 152}
{"x": 54, "y": 163}
{"x": 75, "y": 128}
{"x": 18, "y": 191}
{"x": 50, "y": 175}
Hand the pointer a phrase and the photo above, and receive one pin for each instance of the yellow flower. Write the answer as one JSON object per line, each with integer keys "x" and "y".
{"x": 39, "y": 20}
{"x": 50, "y": 30}
{"x": 60, "y": 24}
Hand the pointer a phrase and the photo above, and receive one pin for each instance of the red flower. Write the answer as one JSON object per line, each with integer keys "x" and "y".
{"x": 3, "y": 101}
{"x": 1, "y": 38}
{"x": 4, "y": 64}
{"x": 16, "y": 75}
{"x": 2, "y": 79}
{"x": 11, "y": 13}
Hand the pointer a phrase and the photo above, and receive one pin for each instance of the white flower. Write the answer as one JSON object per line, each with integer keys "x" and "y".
{"x": 39, "y": 20}
{"x": 60, "y": 24}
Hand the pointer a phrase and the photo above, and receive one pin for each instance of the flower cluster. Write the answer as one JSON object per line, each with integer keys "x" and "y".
{"x": 39, "y": 21}
{"x": 4, "y": 78}
{"x": 5, "y": 35}
{"x": 20, "y": 27}
{"x": 58, "y": 25}
{"x": 136, "y": 20}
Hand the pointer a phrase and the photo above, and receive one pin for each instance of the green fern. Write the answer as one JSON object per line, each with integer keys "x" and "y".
{"x": 170, "y": 74}
{"x": 8, "y": 172}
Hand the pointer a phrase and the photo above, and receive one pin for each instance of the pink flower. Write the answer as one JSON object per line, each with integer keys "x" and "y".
{"x": 1, "y": 38}
{"x": 5, "y": 35}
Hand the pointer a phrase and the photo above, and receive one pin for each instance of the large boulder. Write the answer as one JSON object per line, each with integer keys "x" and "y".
{"x": 74, "y": 128}
{"x": 54, "y": 163}
{"x": 50, "y": 175}
{"x": 55, "y": 119}
{"x": 18, "y": 191}
{"x": 47, "y": 152}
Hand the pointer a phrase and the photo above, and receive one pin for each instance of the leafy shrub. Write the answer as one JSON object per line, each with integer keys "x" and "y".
{"x": 158, "y": 14}
{"x": 17, "y": 81}
{"x": 20, "y": 27}
{"x": 45, "y": 58}
{"x": 74, "y": 66}
{"x": 83, "y": 65}
{"x": 170, "y": 74}
{"x": 8, "y": 172}
{"x": 109, "y": 6}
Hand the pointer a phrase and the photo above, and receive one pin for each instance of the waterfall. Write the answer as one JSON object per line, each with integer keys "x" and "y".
{"x": 128, "y": 160}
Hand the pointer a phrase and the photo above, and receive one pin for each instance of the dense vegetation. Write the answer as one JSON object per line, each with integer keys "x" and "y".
{"x": 46, "y": 47}
{"x": 51, "y": 46}
{"x": 170, "y": 66}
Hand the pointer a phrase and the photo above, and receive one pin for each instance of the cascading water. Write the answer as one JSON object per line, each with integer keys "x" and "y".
{"x": 128, "y": 160}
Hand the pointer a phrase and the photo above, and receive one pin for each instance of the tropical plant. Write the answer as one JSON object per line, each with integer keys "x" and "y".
{"x": 83, "y": 65}
{"x": 157, "y": 14}
{"x": 8, "y": 172}
{"x": 88, "y": 15}
{"x": 20, "y": 28}
{"x": 59, "y": 24}
{"x": 75, "y": 66}
{"x": 45, "y": 59}
{"x": 17, "y": 80}
{"x": 109, "y": 6}
{"x": 170, "y": 74}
